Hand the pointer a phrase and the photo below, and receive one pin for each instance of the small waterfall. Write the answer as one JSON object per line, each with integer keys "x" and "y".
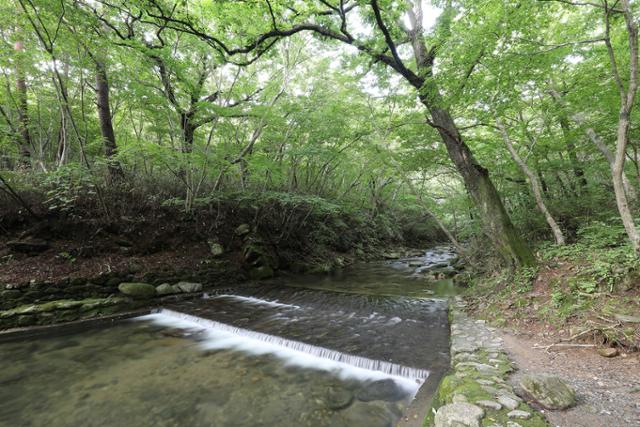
{"x": 189, "y": 321}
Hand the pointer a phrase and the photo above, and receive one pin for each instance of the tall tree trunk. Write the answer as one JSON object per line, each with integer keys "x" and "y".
{"x": 578, "y": 172}
{"x": 617, "y": 172}
{"x": 496, "y": 222}
{"x": 106, "y": 125}
{"x": 535, "y": 186}
{"x": 188, "y": 132}
{"x": 23, "y": 112}
{"x": 627, "y": 100}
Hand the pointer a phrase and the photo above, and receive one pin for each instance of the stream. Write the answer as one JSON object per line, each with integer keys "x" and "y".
{"x": 348, "y": 349}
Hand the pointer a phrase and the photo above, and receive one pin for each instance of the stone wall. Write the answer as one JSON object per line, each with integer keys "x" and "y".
{"x": 476, "y": 392}
{"x": 42, "y": 303}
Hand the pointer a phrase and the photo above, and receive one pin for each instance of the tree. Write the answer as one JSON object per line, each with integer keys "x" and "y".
{"x": 331, "y": 22}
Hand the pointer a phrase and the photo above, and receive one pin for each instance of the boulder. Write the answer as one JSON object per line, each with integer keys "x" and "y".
{"x": 386, "y": 390}
{"x": 137, "y": 290}
{"x": 188, "y": 287}
{"x": 459, "y": 415}
{"x": 549, "y": 391}
{"x": 166, "y": 289}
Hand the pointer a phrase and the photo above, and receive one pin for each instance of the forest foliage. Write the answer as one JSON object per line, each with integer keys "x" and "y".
{"x": 510, "y": 122}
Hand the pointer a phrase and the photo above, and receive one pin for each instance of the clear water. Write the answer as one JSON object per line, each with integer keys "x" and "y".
{"x": 165, "y": 371}
{"x": 140, "y": 374}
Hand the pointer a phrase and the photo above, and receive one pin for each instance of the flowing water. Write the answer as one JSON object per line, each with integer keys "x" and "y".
{"x": 344, "y": 350}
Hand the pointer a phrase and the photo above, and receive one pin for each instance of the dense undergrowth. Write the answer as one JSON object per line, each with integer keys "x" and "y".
{"x": 294, "y": 231}
{"x": 587, "y": 290}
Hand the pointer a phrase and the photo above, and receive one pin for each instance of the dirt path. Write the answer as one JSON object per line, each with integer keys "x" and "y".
{"x": 608, "y": 390}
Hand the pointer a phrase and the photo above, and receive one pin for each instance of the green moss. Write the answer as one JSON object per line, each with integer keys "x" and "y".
{"x": 501, "y": 417}
{"x": 60, "y": 311}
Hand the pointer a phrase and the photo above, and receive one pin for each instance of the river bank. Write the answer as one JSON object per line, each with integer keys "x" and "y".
{"x": 68, "y": 263}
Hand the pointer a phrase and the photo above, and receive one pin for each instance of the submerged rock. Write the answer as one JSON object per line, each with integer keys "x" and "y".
{"x": 338, "y": 398}
{"x": 459, "y": 415}
{"x": 549, "y": 391}
{"x": 386, "y": 390}
{"x": 367, "y": 415}
{"x": 137, "y": 290}
{"x": 188, "y": 287}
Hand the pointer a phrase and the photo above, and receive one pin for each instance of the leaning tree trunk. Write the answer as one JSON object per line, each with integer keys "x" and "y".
{"x": 106, "y": 125}
{"x": 496, "y": 222}
{"x": 23, "y": 114}
{"x": 535, "y": 186}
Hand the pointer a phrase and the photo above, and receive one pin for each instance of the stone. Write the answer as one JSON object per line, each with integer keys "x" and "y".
{"x": 489, "y": 404}
{"x": 513, "y": 424}
{"x": 364, "y": 414}
{"x": 261, "y": 273}
{"x": 480, "y": 367}
{"x": 459, "y": 415}
{"x": 28, "y": 245}
{"x": 137, "y": 290}
{"x": 549, "y": 391}
{"x": 189, "y": 287}
{"x": 216, "y": 248}
{"x": 415, "y": 263}
{"x": 391, "y": 255}
{"x": 242, "y": 230}
{"x": 166, "y": 289}
{"x": 608, "y": 352}
{"x": 508, "y": 402}
{"x": 457, "y": 398}
{"x": 524, "y": 415}
{"x": 338, "y": 398}
{"x": 386, "y": 390}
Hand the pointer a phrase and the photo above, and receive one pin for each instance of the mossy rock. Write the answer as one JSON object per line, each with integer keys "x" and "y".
{"x": 549, "y": 391}
{"x": 137, "y": 290}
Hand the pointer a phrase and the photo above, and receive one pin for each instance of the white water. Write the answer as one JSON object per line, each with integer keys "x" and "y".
{"x": 223, "y": 336}
{"x": 251, "y": 300}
